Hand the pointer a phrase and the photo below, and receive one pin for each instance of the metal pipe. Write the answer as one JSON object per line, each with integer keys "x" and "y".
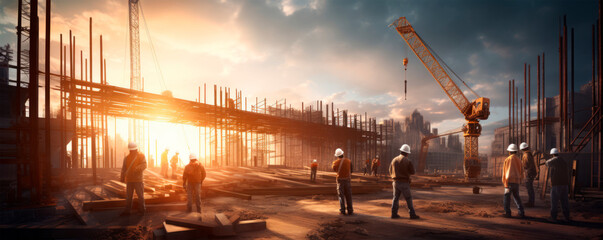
{"x": 523, "y": 106}
{"x": 528, "y": 100}
{"x": 509, "y": 118}
{"x": 93, "y": 150}
{"x": 47, "y": 164}
{"x": 593, "y": 108}
{"x": 573, "y": 111}
{"x": 538, "y": 119}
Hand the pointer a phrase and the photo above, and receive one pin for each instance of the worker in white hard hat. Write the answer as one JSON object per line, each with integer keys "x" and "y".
{"x": 174, "y": 164}
{"x": 192, "y": 179}
{"x": 131, "y": 173}
{"x": 313, "y": 169}
{"x": 400, "y": 170}
{"x": 529, "y": 167}
{"x": 164, "y": 162}
{"x": 343, "y": 167}
{"x": 512, "y": 175}
{"x": 559, "y": 173}
{"x": 376, "y": 163}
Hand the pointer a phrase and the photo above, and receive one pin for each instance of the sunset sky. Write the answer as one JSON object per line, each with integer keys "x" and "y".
{"x": 335, "y": 51}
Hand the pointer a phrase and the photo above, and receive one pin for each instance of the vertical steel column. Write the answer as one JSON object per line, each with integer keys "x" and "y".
{"x": 573, "y": 111}
{"x": 524, "y": 105}
{"x": 92, "y": 127}
{"x": 48, "y": 161}
{"x": 509, "y": 117}
{"x": 538, "y": 102}
{"x": 35, "y": 166}
{"x": 528, "y": 101}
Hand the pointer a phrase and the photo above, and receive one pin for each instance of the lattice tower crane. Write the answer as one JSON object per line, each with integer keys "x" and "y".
{"x": 478, "y": 109}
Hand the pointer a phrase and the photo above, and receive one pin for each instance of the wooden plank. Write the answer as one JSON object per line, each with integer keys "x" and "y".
{"x": 234, "y": 219}
{"x": 545, "y": 184}
{"x": 224, "y": 227}
{"x": 250, "y": 225}
{"x": 190, "y": 223}
{"x": 225, "y": 193}
{"x": 265, "y": 175}
{"x": 89, "y": 205}
{"x": 174, "y": 232}
{"x": 118, "y": 183}
{"x": 316, "y": 190}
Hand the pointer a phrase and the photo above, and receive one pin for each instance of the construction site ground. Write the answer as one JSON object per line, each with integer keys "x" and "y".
{"x": 447, "y": 205}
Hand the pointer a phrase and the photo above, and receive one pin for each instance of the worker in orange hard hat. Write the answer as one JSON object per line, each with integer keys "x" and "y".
{"x": 313, "y": 169}
{"x": 192, "y": 178}
{"x": 131, "y": 173}
{"x": 512, "y": 175}
{"x": 343, "y": 167}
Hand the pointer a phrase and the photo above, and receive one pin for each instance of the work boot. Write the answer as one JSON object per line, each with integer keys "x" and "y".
{"x": 350, "y": 213}
{"x": 507, "y": 215}
{"x": 341, "y": 212}
{"x": 395, "y": 216}
{"x": 414, "y": 216}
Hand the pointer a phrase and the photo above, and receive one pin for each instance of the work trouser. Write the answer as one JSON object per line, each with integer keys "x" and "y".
{"x": 193, "y": 193}
{"x": 174, "y": 172}
{"x": 344, "y": 190}
{"x": 530, "y": 189}
{"x": 164, "y": 170}
{"x": 559, "y": 193}
{"x": 313, "y": 175}
{"x": 513, "y": 189}
{"x": 139, "y": 187}
{"x": 402, "y": 188}
{"x": 375, "y": 171}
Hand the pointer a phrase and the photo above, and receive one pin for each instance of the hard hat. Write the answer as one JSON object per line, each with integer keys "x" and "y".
{"x": 132, "y": 146}
{"x": 167, "y": 148}
{"x": 177, "y": 152}
{"x": 192, "y": 156}
{"x": 523, "y": 146}
{"x": 405, "y": 148}
{"x": 376, "y": 156}
{"x": 512, "y": 147}
{"x": 554, "y": 151}
{"x": 314, "y": 160}
{"x": 338, "y": 152}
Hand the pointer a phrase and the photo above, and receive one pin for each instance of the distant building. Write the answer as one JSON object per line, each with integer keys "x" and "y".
{"x": 444, "y": 155}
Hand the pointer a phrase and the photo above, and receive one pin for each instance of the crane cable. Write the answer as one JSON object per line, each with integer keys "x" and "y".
{"x": 446, "y": 65}
{"x": 156, "y": 61}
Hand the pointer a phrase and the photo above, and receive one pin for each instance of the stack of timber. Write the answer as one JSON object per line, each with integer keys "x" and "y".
{"x": 191, "y": 226}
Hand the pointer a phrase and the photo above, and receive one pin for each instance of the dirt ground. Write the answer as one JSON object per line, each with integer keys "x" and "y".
{"x": 448, "y": 212}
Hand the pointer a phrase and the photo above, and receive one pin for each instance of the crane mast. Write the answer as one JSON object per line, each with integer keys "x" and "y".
{"x": 134, "y": 131}
{"x": 472, "y": 111}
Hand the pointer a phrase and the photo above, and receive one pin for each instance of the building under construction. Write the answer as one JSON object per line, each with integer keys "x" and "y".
{"x": 62, "y": 155}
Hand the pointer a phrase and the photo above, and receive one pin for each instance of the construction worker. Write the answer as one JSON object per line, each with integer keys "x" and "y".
{"x": 174, "y": 164}
{"x": 400, "y": 171}
{"x": 164, "y": 163}
{"x": 367, "y": 167}
{"x": 560, "y": 178}
{"x": 313, "y": 169}
{"x": 375, "y": 166}
{"x": 511, "y": 177}
{"x": 343, "y": 167}
{"x": 192, "y": 178}
{"x": 529, "y": 167}
{"x": 131, "y": 173}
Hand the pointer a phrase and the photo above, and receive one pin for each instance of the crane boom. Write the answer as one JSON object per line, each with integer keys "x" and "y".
{"x": 134, "y": 130}
{"x": 472, "y": 111}
{"x": 419, "y": 47}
